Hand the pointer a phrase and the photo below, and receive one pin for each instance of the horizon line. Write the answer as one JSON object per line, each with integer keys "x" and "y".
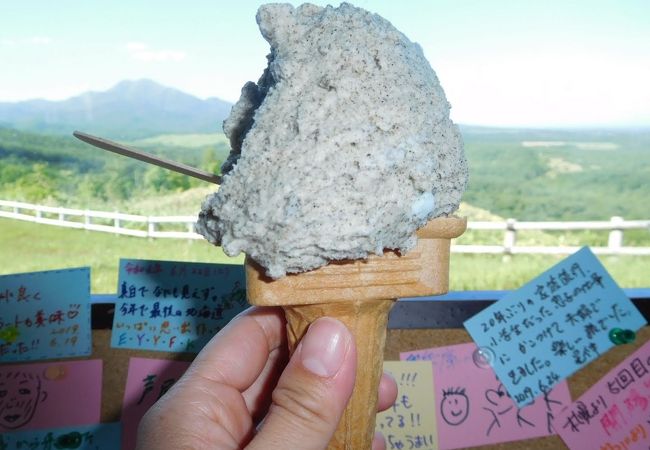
{"x": 523, "y": 126}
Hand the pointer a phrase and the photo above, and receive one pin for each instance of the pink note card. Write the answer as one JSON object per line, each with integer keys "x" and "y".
{"x": 614, "y": 413}
{"x": 472, "y": 406}
{"x": 50, "y": 395}
{"x": 147, "y": 381}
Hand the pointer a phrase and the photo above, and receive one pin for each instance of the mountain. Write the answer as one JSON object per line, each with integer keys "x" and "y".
{"x": 129, "y": 110}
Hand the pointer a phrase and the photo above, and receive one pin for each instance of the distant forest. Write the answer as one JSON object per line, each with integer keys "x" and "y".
{"x": 559, "y": 175}
{"x": 64, "y": 171}
{"x": 524, "y": 174}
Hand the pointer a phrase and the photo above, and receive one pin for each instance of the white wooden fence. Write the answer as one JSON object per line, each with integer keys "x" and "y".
{"x": 111, "y": 222}
{"x": 182, "y": 227}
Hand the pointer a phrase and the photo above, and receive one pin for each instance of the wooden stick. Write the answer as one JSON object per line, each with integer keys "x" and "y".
{"x": 147, "y": 157}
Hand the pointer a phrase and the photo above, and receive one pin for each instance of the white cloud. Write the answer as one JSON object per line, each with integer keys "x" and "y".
{"x": 24, "y": 41}
{"x": 142, "y": 52}
{"x": 136, "y": 46}
{"x": 540, "y": 89}
{"x": 40, "y": 40}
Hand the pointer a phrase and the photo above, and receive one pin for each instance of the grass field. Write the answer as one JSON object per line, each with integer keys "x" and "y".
{"x": 27, "y": 247}
{"x": 31, "y": 247}
{"x": 183, "y": 140}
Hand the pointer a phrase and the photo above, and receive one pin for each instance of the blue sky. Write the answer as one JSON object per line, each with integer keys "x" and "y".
{"x": 505, "y": 63}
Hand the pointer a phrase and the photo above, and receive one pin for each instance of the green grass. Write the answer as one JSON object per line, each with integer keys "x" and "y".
{"x": 186, "y": 203}
{"x": 33, "y": 247}
{"x": 183, "y": 140}
{"x": 487, "y": 272}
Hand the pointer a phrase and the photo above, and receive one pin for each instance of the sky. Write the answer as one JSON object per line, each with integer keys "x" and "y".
{"x": 529, "y": 63}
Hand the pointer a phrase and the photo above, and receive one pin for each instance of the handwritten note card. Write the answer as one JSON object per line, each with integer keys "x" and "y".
{"x": 175, "y": 306}
{"x": 473, "y": 408}
{"x": 50, "y": 395}
{"x": 552, "y": 326}
{"x": 101, "y": 436}
{"x": 615, "y": 412}
{"x": 409, "y": 423}
{"x": 147, "y": 380}
{"x": 45, "y": 315}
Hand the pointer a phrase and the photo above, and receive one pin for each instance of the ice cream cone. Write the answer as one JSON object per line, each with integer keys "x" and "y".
{"x": 360, "y": 294}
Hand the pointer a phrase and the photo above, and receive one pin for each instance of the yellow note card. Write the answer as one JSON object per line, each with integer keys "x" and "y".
{"x": 410, "y": 423}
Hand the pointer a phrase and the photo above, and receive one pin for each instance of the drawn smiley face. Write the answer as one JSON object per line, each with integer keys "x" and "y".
{"x": 454, "y": 406}
{"x": 20, "y": 394}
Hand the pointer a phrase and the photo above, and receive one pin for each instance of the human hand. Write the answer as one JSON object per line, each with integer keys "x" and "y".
{"x": 241, "y": 392}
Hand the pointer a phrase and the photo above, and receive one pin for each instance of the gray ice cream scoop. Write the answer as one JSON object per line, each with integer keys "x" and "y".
{"x": 342, "y": 149}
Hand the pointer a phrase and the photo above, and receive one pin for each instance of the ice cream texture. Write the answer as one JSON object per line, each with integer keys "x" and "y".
{"x": 342, "y": 149}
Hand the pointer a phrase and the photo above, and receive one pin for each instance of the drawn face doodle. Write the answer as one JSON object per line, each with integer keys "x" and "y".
{"x": 454, "y": 406}
{"x": 20, "y": 394}
{"x": 500, "y": 399}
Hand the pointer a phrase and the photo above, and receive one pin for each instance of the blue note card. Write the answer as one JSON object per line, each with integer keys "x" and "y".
{"x": 45, "y": 315}
{"x": 103, "y": 436}
{"x": 554, "y": 325}
{"x": 175, "y": 306}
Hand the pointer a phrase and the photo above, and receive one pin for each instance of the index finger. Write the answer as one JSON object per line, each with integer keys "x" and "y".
{"x": 237, "y": 354}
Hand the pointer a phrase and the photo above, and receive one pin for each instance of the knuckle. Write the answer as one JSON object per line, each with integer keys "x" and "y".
{"x": 307, "y": 406}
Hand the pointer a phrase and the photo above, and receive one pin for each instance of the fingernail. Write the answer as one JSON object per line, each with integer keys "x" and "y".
{"x": 324, "y": 347}
{"x": 389, "y": 376}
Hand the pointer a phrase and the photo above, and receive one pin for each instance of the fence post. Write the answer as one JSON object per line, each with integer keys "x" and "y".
{"x": 116, "y": 222}
{"x": 615, "y": 241}
{"x": 510, "y": 236}
{"x": 39, "y": 213}
{"x": 86, "y": 219}
{"x": 151, "y": 228}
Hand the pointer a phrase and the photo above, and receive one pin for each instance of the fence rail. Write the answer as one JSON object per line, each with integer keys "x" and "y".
{"x": 152, "y": 227}
{"x": 110, "y": 222}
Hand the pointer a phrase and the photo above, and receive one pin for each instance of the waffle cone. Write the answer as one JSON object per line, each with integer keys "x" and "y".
{"x": 360, "y": 294}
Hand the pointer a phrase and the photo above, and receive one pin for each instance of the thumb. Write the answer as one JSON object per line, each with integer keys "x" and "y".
{"x": 313, "y": 390}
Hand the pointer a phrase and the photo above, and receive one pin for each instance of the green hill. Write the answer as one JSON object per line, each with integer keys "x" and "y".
{"x": 559, "y": 175}
{"x": 524, "y": 174}
{"x": 62, "y": 170}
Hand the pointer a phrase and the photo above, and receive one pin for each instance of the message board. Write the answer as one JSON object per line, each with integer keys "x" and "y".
{"x": 45, "y": 315}
{"x": 615, "y": 412}
{"x": 101, "y": 436}
{"x": 543, "y": 332}
{"x": 174, "y": 306}
{"x": 50, "y": 395}
{"x": 473, "y": 408}
{"x": 409, "y": 423}
{"x": 147, "y": 380}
